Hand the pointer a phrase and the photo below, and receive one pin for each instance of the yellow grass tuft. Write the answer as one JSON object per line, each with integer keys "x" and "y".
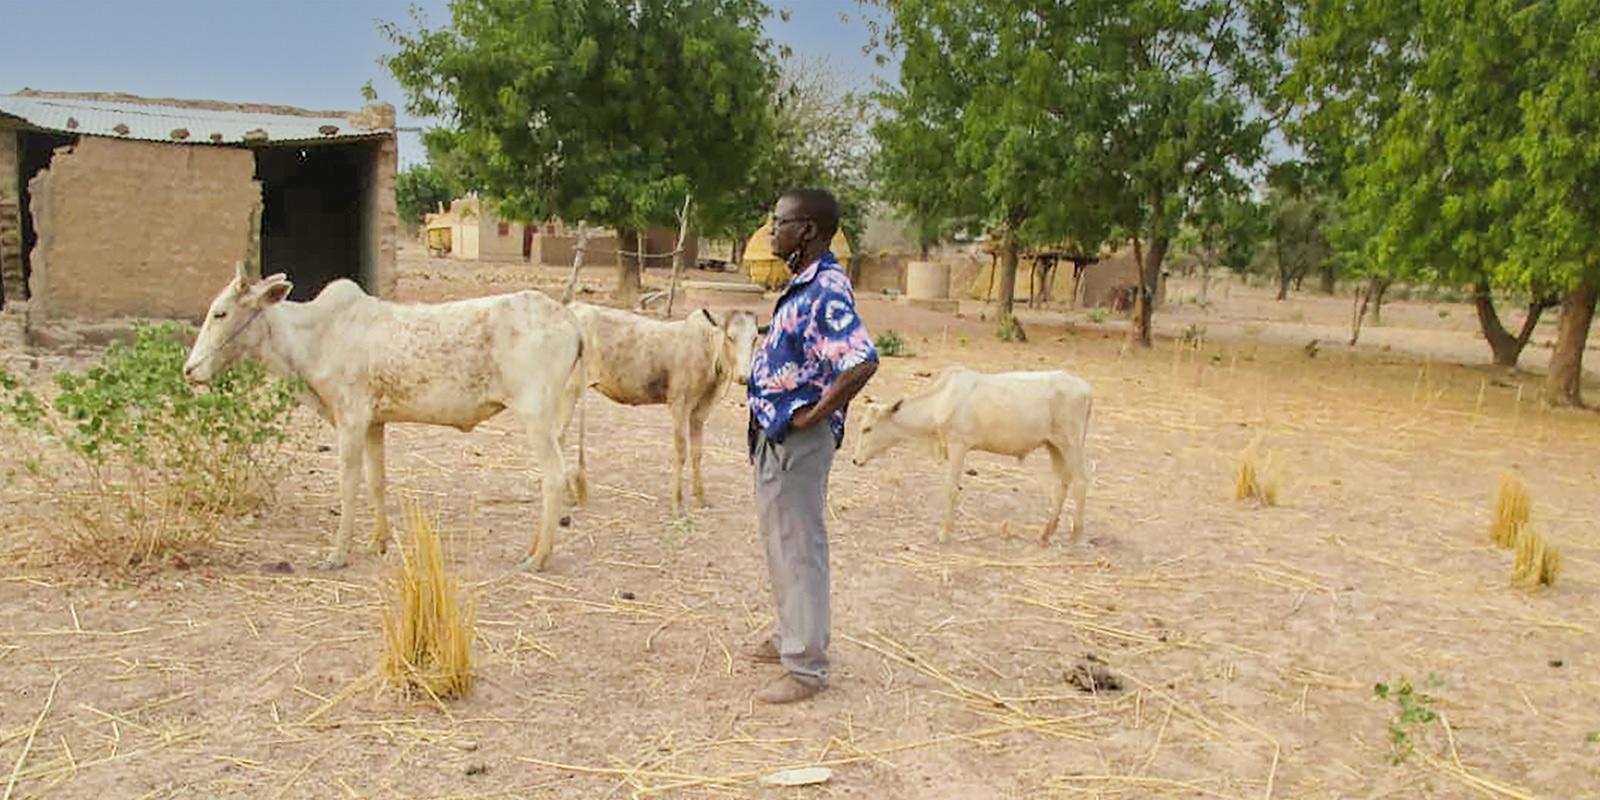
{"x": 1511, "y": 509}
{"x": 427, "y": 624}
{"x": 1538, "y": 562}
{"x": 1256, "y": 481}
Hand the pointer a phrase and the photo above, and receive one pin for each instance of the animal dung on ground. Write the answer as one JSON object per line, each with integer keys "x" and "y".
{"x": 1089, "y": 674}
{"x": 427, "y": 624}
{"x": 1538, "y": 562}
{"x": 1511, "y": 507}
{"x": 1255, "y": 477}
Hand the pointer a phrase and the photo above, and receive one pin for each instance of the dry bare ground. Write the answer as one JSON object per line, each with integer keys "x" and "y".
{"x": 1246, "y": 641}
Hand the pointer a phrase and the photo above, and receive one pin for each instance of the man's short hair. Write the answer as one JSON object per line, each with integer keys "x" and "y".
{"x": 820, "y": 206}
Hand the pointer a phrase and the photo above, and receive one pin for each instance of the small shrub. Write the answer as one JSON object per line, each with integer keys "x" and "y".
{"x": 151, "y": 465}
{"x": 890, "y": 344}
{"x": 1412, "y": 710}
{"x": 1537, "y": 562}
{"x": 428, "y": 626}
{"x": 1511, "y": 507}
{"x": 1010, "y": 330}
{"x": 1255, "y": 477}
{"x": 1098, "y": 315}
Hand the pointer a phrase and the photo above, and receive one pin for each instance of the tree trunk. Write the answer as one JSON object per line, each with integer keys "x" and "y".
{"x": 628, "y": 267}
{"x": 1299, "y": 278}
{"x": 1008, "y": 276}
{"x": 1506, "y": 348}
{"x": 1379, "y": 286}
{"x": 578, "y": 251}
{"x": 1371, "y": 296}
{"x": 1149, "y": 283}
{"x": 1563, "y": 386}
{"x": 1205, "y": 282}
{"x": 738, "y": 249}
{"x": 1359, "y": 302}
{"x": 1329, "y": 280}
{"x": 680, "y": 257}
{"x": 1283, "y": 271}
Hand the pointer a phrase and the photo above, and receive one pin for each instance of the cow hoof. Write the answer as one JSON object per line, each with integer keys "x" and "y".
{"x": 331, "y": 564}
{"x": 566, "y": 522}
{"x": 532, "y": 564}
{"x": 378, "y": 548}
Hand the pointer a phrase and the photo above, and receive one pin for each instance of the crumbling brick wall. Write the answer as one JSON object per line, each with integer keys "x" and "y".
{"x": 139, "y": 229}
{"x": 12, "y": 289}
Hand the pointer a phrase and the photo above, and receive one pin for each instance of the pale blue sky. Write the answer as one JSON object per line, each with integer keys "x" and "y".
{"x": 309, "y": 53}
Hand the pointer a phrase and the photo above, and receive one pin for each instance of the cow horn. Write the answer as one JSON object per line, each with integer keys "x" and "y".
{"x": 710, "y": 319}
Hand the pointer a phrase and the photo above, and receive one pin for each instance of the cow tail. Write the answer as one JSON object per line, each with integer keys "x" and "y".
{"x": 580, "y": 380}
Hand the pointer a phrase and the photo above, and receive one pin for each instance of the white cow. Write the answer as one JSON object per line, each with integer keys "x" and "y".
{"x": 367, "y": 362}
{"x": 685, "y": 364}
{"x": 1010, "y": 413}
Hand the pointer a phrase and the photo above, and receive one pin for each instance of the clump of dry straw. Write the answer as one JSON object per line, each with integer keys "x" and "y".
{"x": 1511, "y": 509}
{"x": 1253, "y": 480}
{"x": 427, "y": 623}
{"x": 1538, "y": 562}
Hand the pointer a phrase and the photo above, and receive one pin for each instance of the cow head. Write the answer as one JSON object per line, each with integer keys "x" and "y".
{"x": 232, "y": 326}
{"x": 738, "y": 342}
{"x": 879, "y": 431}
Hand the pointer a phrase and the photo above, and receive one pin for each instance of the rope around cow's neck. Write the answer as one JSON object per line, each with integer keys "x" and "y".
{"x": 236, "y": 333}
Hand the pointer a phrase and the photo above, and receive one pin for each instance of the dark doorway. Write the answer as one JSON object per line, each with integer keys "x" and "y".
{"x": 311, "y": 214}
{"x": 37, "y": 148}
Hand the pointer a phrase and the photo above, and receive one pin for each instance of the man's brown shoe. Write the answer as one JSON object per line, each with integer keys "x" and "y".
{"x": 765, "y": 653}
{"x": 787, "y": 689}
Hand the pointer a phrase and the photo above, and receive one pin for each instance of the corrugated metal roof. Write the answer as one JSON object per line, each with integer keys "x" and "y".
{"x": 169, "y": 123}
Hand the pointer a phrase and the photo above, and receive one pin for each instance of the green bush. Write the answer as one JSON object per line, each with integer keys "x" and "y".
{"x": 154, "y": 464}
{"x": 890, "y": 344}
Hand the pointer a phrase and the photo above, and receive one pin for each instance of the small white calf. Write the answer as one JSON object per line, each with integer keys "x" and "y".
{"x": 636, "y": 360}
{"x": 1010, "y": 413}
{"x": 367, "y": 362}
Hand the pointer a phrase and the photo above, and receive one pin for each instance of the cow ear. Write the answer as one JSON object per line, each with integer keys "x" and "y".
{"x": 271, "y": 290}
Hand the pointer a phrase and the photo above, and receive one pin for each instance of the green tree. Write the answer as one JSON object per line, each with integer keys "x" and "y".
{"x": 1223, "y": 232}
{"x": 604, "y": 112}
{"x": 977, "y": 129}
{"x": 1559, "y": 143}
{"x": 1416, "y": 108}
{"x": 1086, "y": 120}
{"x": 818, "y": 138}
{"x": 418, "y": 190}
{"x": 1298, "y": 220}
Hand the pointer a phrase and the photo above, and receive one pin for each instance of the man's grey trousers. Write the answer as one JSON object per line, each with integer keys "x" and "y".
{"x": 791, "y": 494}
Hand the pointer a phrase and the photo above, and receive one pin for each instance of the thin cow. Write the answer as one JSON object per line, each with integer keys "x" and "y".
{"x": 1010, "y": 413}
{"x": 366, "y": 363}
{"x": 684, "y": 364}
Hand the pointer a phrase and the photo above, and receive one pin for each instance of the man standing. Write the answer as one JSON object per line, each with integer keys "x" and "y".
{"x": 816, "y": 357}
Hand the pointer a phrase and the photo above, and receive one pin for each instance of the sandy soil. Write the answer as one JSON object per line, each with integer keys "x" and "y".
{"x": 1246, "y": 641}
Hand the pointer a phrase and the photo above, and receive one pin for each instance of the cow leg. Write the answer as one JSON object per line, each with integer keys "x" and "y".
{"x": 697, "y": 430}
{"x": 1063, "y": 473}
{"x": 377, "y": 485}
{"x": 352, "y": 449}
{"x": 680, "y": 445}
{"x": 1077, "y": 457}
{"x": 958, "y": 457}
{"x": 541, "y": 420}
